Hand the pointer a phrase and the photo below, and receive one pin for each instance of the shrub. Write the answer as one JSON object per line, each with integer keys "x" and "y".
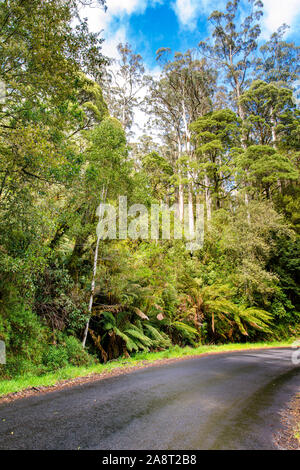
{"x": 69, "y": 351}
{"x": 25, "y": 338}
{"x": 77, "y": 356}
{"x": 55, "y": 358}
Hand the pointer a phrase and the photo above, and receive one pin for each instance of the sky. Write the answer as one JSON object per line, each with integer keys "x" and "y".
{"x": 179, "y": 24}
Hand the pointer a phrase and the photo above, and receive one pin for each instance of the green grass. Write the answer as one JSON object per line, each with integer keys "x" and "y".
{"x": 27, "y": 381}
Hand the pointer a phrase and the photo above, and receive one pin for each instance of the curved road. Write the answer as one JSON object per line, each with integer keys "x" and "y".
{"x": 226, "y": 401}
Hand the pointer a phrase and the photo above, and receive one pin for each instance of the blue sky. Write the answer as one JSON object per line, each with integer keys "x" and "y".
{"x": 179, "y": 24}
{"x": 159, "y": 26}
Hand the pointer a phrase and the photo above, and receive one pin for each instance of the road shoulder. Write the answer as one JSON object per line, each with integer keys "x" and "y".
{"x": 289, "y": 437}
{"x": 117, "y": 371}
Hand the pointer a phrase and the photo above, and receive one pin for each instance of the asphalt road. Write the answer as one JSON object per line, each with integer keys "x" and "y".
{"x": 227, "y": 401}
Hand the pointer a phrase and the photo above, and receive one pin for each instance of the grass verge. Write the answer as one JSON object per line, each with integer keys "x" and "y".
{"x": 28, "y": 381}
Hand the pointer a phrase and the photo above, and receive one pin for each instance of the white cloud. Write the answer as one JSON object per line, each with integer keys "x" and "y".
{"x": 114, "y": 22}
{"x": 117, "y": 8}
{"x": 187, "y": 11}
{"x": 278, "y": 12}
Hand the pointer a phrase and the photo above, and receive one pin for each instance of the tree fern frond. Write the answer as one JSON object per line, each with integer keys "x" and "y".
{"x": 139, "y": 335}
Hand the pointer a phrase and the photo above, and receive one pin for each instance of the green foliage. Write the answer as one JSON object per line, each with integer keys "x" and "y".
{"x": 25, "y": 338}
{"x": 226, "y": 141}
{"x": 216, "y": 134}
{"x": 122, "y": 332}
{"x": 159, "y": 172}
{"x": 264, "y": 167}
{"x": 56, "y": 300}
{"x": 68, "y": 351}
{"x": 213, "y": 307}
{"x": 279, "y": 59}
{"x": 285, "y": 262}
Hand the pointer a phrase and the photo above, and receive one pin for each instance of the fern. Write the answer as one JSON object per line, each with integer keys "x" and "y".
{"x": 135, "y": 333}
{"x": 130, "y": 344}
{"x": 159, "y": 339}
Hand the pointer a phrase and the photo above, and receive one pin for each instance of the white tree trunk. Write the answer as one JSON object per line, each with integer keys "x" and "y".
{"x": 191, "y": 212}
{"x": 207, "y": 199}
{"x": 181, "y": 202}
{"x": 274, "y": 141}
{"x": 190, "y": 190}
{"x": 92, "y": 292}
{"x": 247, "y": 204}
{"x": 244, "y": 147}
{"x": 180, "y": 187}
{"x": 93, "y": 281}
{"x": 273, "y": 129}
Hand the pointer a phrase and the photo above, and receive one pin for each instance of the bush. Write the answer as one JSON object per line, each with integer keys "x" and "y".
{"x": 25, "y": 338}
{"x": 69, "y": 351}
{"x": 27, "y": 344}
{"x": 55, "y": 358}
{"x": 77, "y": 356}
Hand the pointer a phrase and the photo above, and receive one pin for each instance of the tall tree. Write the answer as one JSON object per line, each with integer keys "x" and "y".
{"x": 123, "y": 85}
{"x": 265, "y": 105}
{"x": 263, "y": 167}
{"x": 278, "y": 61}
{"x": 182, "y": 94}
{"x": 234, "y": 44}
{"x": 42, "y": 62}
{"x": 216, "y": 135}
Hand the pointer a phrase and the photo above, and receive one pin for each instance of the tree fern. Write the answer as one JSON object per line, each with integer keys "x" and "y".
{"x": 137, "y": 334}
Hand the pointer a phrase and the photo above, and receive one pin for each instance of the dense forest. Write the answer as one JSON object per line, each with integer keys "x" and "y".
{"x": 223, "y": 131}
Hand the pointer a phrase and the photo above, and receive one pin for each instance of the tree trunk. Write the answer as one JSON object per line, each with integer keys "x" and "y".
{"x": 181, "y": 202}
{"x": 207, "y": 199}
{"x": 274, "y": 141}
{"x": 93, "y": 280}
{"x": 273, "y": 129}
{"x": 191, "y": 212}
{"x": 92, "y": 293}
{"x": 180, "y": 187}
{"x": 244, "y": 146}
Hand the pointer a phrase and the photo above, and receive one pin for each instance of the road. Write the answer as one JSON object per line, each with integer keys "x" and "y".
{"x": 224, "y": 401}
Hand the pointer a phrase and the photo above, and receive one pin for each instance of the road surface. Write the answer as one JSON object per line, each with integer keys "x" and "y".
{"x": 224, "y": 401}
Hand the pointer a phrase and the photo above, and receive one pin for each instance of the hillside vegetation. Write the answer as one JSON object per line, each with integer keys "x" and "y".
{"x": 223, "y": 132}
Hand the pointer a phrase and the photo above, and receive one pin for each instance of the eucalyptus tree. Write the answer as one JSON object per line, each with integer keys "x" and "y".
{"x": 159, "y": 173}
{"x": 163, "y": 105}
{"x": 182, "y": 94}
{"x": 44, "y": 62}
{"x": 279, "y": 60}
{"x": 233, "y": 47}
{"x": 105, "y": 171}
{"x": 104, "y": 175}
{"x": 263, "y": 167}
{"x": 124, "y": 85}
{"x": 234, "y": 43}
{"x": 265, "y": 104}
{"x": 267, "y": 160}
{"x": 216, "y": 135}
